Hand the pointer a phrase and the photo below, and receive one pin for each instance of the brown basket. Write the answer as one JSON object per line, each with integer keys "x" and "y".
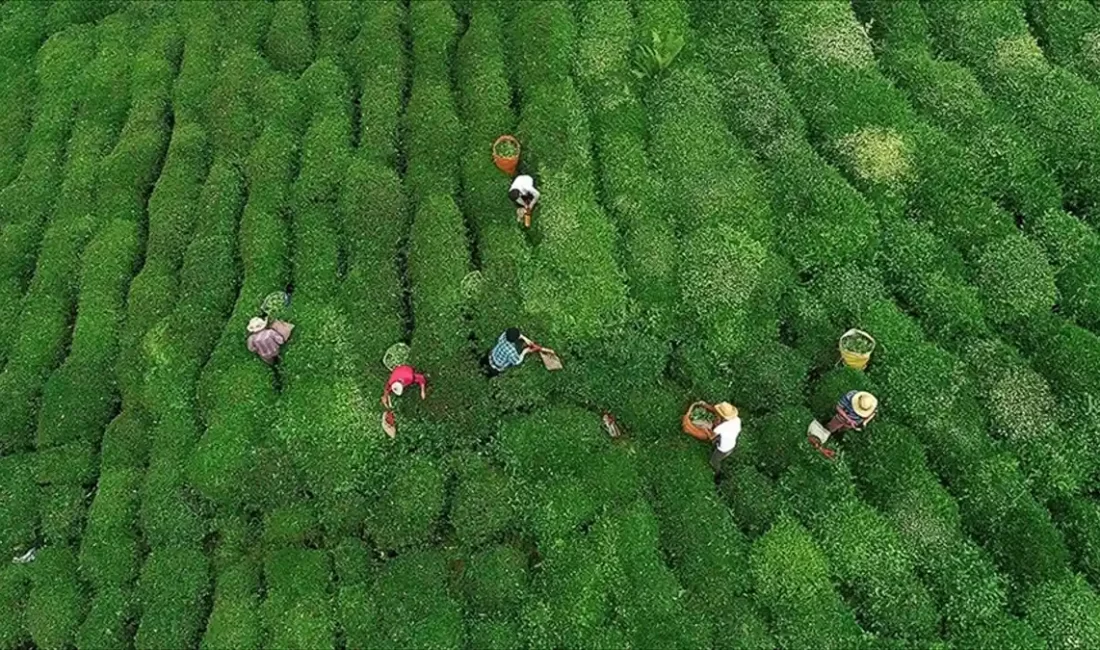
{"x": 506, "y": 164}
{"x": 697, "y": 430}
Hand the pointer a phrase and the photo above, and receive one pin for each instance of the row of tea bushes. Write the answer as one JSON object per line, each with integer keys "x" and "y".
{"x": 1057, "y": 109}
{"x": 575, "y": 294}
{"x": 27, "y": 202}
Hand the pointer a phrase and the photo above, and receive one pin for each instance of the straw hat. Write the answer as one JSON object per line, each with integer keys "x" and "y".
{"x": 864, "y": 403}
{"x": 256, "y": 324}
{"x": 726, "y": 410}
{"x": 397, "y": 388}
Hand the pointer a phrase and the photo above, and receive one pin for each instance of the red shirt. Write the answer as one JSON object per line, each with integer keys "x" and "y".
{"x": 407, "y": 376}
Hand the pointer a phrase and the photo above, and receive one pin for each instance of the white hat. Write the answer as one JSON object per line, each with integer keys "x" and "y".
{"x": 256, "y": 324}
{"x": 397, "y": 388}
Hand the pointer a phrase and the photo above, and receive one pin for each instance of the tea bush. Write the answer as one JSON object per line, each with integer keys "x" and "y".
{"x": 289, "y": 44}
{"x": 337, "y": 23}
{"x": 14, "y": 587}
{"x": 173, "y": 586}
{"x": 730, "y": 300}
{"x": 791, "y": 578}
{"x": 379, "y": 68}
{"x": 234, "y": 392}
{"x": 484, "y": 101}
{"x": 42, "y": 328}
{"x": 421, "y": 613}
{"x": 710, "y": 224}
{"x": 576, "y": 291}
{"x": 1074, "y": 249}
{"x": 19, "y": 505}
{"x": 1015, "y": 280}
{"x": 27, "y": 202}
{"x": 484, "y": 501}
{"x": 408, "y": 504}
{"x": 627, "y": 188}
{"x": 1067, "y": 32}
{"x": 876, "y": 573}
{"x": 495, "y": 581}
{"x": 234, "y": 621}
{"x": 298, "y": 610}
{"x": 372, "y": 202}
{"x": 704, "y": 548}
{"x": 1023, "y": 410}
{"x": 172, "y": 214}
{"x": 1077, "y": 518}
{"x": 1065, "y": 613}
{"x": 18, "y": 93}
{"x": 1055, "y": 107}
{"x": 55, "y": 603}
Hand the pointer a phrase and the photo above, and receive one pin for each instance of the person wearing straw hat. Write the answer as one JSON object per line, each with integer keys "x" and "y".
{"x": 724, "y": 435}
{"x": 401, "y": 377}
{"x": 265, "y": 340}
{"x": 853, "y": 412}
{"x": 524, "y": 194}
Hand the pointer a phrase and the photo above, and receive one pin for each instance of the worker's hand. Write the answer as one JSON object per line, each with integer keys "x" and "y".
{"x": 423, "y": 392}
{"x": 386, "y": 401}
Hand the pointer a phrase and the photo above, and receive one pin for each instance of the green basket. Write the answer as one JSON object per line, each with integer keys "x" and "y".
{"x": 396, "y": 355}
{"x": 275, "y": 304}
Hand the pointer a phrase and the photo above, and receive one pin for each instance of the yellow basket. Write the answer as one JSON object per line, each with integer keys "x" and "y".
{"x": 855, "y": 360}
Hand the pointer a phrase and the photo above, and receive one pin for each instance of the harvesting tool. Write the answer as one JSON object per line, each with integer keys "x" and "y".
{"x": 550, "y": 359}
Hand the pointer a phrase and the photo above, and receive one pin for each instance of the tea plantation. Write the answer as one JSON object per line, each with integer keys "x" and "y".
{"x": 727, "y": 187}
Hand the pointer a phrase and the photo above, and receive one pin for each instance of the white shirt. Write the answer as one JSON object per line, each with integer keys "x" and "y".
{"x": 525, "y": 185}
{"x": 726, "y": 434}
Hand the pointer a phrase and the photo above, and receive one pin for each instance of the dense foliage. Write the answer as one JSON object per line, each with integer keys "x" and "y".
{"x": 710, "y": 224}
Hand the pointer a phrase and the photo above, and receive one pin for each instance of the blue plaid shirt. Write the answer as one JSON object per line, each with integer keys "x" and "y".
{"x": 504, "y": 355}
{"x": 848, "y": 410}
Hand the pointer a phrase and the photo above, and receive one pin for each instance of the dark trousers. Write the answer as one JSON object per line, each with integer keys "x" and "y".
{"x": 716, "y": 458}
{"x": 487, "y": 367}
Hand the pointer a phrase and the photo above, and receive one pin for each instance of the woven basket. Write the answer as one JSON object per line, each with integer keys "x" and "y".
{"x": 506, "y": 164}
{"x": 855, "y": 360}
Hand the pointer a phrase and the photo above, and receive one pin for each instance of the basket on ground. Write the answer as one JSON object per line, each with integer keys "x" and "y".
{"x": 396, "y": 355}
{"x": 856, "y": 347}
{"x": 506, "y": 154}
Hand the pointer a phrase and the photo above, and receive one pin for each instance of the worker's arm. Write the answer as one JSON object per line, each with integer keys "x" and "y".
{"x": 423, "y": 381}
{"x": 386, "y": 397}
{"x": 283, "y": 329}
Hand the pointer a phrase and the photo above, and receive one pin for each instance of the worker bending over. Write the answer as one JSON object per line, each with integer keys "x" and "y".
{"x": 525, "y": 196}
{"x": 509, "y": 351}
{"x": 401, "y": 377}
{"x": 853, "y": 412}
{"x": 265, "y": 340}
